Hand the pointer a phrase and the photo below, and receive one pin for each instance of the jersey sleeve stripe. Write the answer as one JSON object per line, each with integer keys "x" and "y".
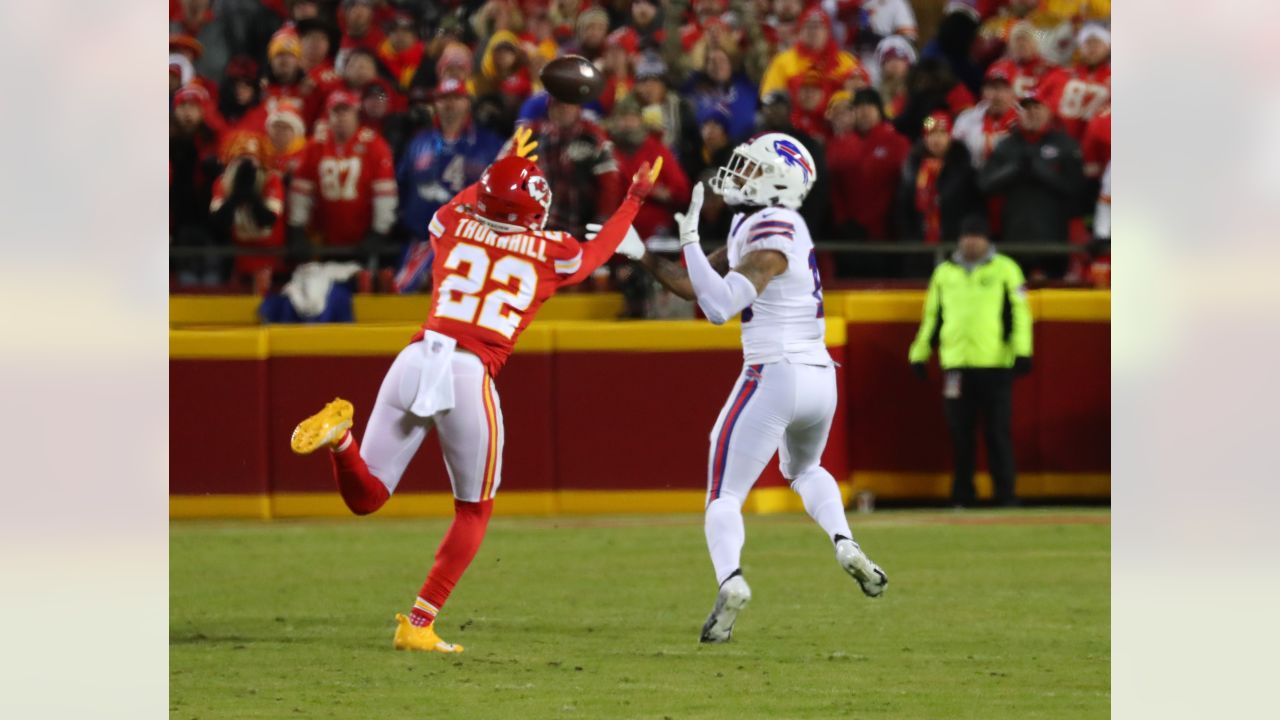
{"x": 774, "y": 224}
{"x": 770, "y": 233}
{"x": 436, "y": 227}
{"x": 570, "y": 266}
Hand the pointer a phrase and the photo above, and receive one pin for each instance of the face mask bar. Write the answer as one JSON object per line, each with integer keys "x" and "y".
{"x": 735, "y": 181}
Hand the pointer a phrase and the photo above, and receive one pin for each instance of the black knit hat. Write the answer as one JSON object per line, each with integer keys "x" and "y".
{"x": 869, "y": 96}
{"x": 974, "y": 225}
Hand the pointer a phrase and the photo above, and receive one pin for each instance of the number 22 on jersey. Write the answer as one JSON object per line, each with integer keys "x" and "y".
{"x": 499, "y": 310}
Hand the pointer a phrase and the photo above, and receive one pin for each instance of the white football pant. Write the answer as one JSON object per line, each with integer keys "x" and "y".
{"x": 471, "y": 433}
{"x": 777, "y": 407}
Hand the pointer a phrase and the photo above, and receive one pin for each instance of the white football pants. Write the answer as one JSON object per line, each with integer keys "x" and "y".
{"x": 778, "y": 407}
{"x": 471, "y": 433}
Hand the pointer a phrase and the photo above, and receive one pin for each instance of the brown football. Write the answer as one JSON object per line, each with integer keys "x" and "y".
{"x": 572, "y": 79}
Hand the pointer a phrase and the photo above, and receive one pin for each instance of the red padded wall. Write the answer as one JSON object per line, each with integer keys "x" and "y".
{"x": 632, "y": 420}
{"x": 217, "y": 427}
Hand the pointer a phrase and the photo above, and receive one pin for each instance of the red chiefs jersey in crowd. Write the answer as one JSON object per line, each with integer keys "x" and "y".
{"x": 980, "y": 131}
{"x": 1023, "y": 76}
{"x": 344, "y": 190}
{"x": 1076, "y": 95}
{"x": 244, "y": 231}
{"x": 489, "y": 284}
{"x": 1096, "y": 145}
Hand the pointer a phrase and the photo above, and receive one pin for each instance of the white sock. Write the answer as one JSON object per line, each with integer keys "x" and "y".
{"x": 725, "y": 535}
{"x": 822, "y": 501}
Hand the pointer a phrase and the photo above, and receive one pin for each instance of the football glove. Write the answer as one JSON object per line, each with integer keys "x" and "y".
{"x": 632, "y": 246}
{"x": 688, "y": 220}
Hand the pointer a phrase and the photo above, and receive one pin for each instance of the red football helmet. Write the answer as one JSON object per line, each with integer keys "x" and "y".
{"x": 514, "y": 192}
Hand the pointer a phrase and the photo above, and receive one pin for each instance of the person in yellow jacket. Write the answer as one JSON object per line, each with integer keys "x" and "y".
{"x": 976, "y": 314}
{"x": 814, "y": 49}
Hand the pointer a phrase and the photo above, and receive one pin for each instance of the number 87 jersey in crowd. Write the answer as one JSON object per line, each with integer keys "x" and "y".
{"x": 496, "y": 264}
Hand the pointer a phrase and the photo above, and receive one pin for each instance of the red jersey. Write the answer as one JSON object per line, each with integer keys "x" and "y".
{"x": 866, "y": 167}
{"x": 1023, "y": 76}
{"x": 489, "y": 284}
{"x": 321, "y": 80}
{"x": 1076, "y": 94}
{"x": 655, "y": 215}
{"x": 344, "y": 190}
{"x": 244, "y": 231}
{"x": 980, "y": 131}
{"x": 1096, "y": 145}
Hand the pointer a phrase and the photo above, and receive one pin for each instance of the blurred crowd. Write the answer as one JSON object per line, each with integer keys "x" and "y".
{"x": 344, "y": 124}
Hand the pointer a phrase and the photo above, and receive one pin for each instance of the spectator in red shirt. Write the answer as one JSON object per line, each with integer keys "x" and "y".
{"x": 402, "y": 51}
{"x": 644, "y": 27}
{"x": 316, "y": 40}
{"x": 705, "y": 12}
{"x": 865, "y": 166}
{"x": 345, "y": 190}
{"x": 286, "y": 138}
{"x": 633, "y": 146}
{"x": 810, "y": 95}
{"x": 358, "y": 30}
{"x": 1078, "y": 93}
{"x": 982, "y": 126}
{"x": 619, "y": 50}
{"x": 1096, "y": 145}
{"x": 284, "y": 76}
{"x": 248, "y": 208}
{"x": 1022, "y": 63}
{"x": 784, "y": 24}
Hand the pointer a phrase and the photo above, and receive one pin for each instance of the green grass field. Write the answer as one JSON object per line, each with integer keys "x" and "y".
{"x": 987, "y": 615}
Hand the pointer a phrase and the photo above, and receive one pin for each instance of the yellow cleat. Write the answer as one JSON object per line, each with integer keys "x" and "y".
{"x": 324, "y": 429}
{"x": 423, "y": 639}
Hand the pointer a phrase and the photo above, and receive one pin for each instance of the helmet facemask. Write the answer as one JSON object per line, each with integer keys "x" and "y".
{"x": 744, "y": 180}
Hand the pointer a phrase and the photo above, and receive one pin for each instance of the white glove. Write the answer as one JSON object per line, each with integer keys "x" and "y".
{"x": 632, "y": 246}
{"x": 688, "y": 220}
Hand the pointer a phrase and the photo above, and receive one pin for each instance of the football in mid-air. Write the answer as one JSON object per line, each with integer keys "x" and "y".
{"x": 572, "y": 79}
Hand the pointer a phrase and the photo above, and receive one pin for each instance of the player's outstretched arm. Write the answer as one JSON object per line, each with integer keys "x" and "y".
{"x": 670, "y": 274}
{"x": 674, "y": 277}
{"x": 614, "y": 231}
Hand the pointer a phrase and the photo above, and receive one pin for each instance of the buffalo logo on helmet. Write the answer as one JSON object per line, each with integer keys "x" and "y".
{"x": 791, "y": 155}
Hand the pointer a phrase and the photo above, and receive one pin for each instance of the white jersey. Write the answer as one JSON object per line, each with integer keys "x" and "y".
{"x": 786, "y": 321}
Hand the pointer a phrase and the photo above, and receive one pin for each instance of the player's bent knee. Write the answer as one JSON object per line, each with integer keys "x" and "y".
{"x": 812, "y": 472}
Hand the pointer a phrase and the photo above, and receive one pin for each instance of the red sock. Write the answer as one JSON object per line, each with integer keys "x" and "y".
{"x": 452, "y": 558}
{"x": 361, "y": 490}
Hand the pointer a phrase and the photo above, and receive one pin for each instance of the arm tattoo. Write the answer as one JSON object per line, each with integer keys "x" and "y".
{"x": 674, "y": 277}
{"x": 761, "y": 266}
